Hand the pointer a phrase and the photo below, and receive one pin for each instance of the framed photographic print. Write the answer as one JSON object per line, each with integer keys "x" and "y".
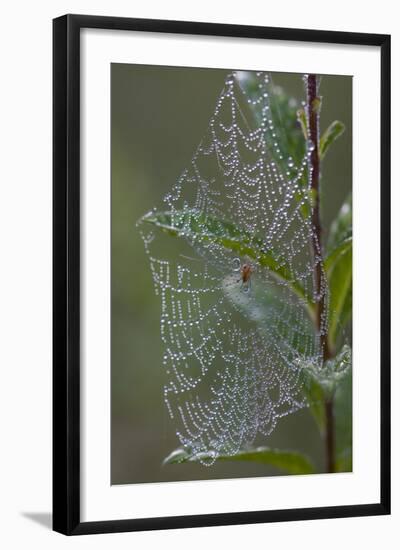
{"x": 221, "y": 349}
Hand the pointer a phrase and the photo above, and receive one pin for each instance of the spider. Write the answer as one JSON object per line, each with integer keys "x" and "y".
{"x": 246, "y": 271}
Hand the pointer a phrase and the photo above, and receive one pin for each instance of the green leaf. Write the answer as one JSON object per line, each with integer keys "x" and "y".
{"x": 287, "y": 123}
{"x": 288, "y": 130}
{"x": 334, "y": 130}
{"x": 343, "y": 248}
{"x": 291, "y": 462}
{"x": 338, "y": 266}
{"x": 341, "y": 227}
{"x": 343, "y": 422}
{"x": 330, "y": 375}
{"x": 340, "y": 275}
{"x": 316, "y": 399}
{"x": 178, "y": 456}
{"x": 302, "y": 120}
{"x": 324, "y": 382}
{"x": 199, "y": 228}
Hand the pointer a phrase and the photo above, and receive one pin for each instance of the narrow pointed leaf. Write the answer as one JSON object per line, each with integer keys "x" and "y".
{"x": 338, "y": 266}
{"x": 291, "y": 462}
{"x": 334, "y": 255}
{"x": 340, "y": 294}
{"x": 343, "y": 422}
{"x": 341, "y": 227}
{"x": 331, "y": 134}
{"x": 198, "y": 227}
{"x": 330, "y": 380}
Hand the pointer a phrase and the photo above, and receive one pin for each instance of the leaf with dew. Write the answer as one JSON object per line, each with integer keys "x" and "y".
{"x": 291, "y": 462}
{"x": 331, "y": 134}
{"x": 196, "y": 225}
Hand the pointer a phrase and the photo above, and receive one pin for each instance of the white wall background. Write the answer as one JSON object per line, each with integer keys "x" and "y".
{"x": 25, "y": 273}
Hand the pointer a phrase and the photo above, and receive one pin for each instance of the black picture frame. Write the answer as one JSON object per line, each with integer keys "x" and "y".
{"x": 66, "y": 273}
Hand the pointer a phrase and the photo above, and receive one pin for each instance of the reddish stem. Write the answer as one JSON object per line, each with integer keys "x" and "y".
{"x": 313, "y": 104}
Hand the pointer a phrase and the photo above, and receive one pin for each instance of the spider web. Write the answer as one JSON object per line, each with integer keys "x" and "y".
{"x": 233, "y": 350}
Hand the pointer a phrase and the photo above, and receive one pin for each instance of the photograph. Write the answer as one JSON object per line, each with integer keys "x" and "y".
{"x": 231, "y": 273}
{"x": 195, "y": 354}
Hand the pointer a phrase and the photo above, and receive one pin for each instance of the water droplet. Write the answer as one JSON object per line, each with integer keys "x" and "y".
{"x": 236, "y": 264}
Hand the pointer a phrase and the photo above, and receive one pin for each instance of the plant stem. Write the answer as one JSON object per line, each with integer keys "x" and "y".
{"x": 329, "y": 436}
{"x": 313, "y": 105}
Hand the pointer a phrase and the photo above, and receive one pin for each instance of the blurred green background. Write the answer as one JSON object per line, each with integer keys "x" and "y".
{"x": 158, "y": 116}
